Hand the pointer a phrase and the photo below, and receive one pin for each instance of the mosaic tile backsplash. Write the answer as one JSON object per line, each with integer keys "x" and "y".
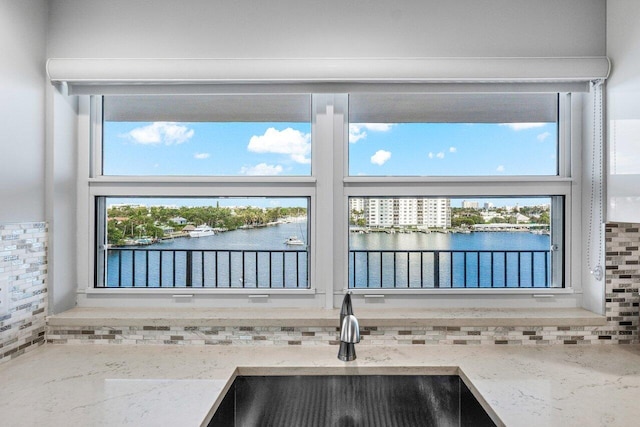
{"x": 309, "y": 336}
{"x": 622, "y": 281}
{"x": 23, "y": 284}
{"x": 622, "y": 278}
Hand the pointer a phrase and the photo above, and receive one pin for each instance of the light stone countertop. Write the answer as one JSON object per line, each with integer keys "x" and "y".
{"x": 145, "y": 385}
{"x": 300, "y": 317}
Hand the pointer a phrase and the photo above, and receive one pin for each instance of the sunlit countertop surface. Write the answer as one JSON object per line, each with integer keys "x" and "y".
{"x": 146, "y": 385}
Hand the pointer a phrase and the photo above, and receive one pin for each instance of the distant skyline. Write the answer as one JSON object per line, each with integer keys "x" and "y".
{"x": 258, "y": 202}
{"x": 266, "y": 202}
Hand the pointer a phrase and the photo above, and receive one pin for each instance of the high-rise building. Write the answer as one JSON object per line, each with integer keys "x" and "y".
{"x": 469, "y": 205}
{"x": 403, "y": 212}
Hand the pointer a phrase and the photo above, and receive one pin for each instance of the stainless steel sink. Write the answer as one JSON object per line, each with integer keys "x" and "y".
{"x": 350, "y": 400}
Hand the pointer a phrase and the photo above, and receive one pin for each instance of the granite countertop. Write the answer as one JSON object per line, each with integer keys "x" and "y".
{"x": 145, "y": 385}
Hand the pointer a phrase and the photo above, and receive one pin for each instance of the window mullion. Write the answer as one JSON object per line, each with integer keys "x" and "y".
{"x": 329, "y": 136}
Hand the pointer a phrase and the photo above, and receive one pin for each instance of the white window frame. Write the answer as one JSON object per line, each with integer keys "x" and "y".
{"x": 566, "y": 184}
{"x": 328, "y": 188}
{"x": 98, "y": 185}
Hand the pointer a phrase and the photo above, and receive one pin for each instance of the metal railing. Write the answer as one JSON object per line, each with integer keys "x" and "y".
{"x": 206, "y": 268}
{"x": 289, "y": 269}
{"x": 410, "y": 269}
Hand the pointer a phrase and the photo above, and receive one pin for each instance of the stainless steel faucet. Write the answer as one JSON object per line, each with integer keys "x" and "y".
{"x": 349, "y": 331}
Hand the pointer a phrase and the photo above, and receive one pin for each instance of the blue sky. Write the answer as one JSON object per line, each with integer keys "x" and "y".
{"x": 450, "y": 149}
{"x": 375, "y": 149}
{"x": 218, "y": 149}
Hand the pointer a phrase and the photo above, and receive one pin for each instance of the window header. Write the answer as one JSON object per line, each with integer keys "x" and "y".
{"x": 96, "y": 76}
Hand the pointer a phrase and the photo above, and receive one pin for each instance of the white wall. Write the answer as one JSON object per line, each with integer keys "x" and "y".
{"x": 623, "y": 111}
{"x": 317, "y": 28}
{"x": 61, "y": 187}
{"x": 22, "y": 108}
{"x": 325, "y": 28}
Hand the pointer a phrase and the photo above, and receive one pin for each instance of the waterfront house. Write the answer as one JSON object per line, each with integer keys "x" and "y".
{"x": 178, "y": 220}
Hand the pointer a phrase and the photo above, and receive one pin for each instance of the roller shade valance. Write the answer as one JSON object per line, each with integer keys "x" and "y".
{"x": 100, "y": 76}
{"x": 363, "y": 108}
{"x": 208, "y": 108}
{"x": 453, "y": 108}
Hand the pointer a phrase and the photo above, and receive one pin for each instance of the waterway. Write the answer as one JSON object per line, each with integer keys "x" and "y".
{"x": 259, "y": 258}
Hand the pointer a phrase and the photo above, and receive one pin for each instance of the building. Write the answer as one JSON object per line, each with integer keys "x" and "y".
{"x": 469, "y": 205}
{"x": 403, "y": 212}
{"x": 178, "y": 220}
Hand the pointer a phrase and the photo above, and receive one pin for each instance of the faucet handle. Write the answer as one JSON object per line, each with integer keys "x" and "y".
{"x": 350, "y": 330}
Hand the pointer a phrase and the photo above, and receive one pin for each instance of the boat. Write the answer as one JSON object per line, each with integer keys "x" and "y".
{"x": 541, "y": 232}
{"x": 293, "y": 240}
{"x": 202, "y": 231}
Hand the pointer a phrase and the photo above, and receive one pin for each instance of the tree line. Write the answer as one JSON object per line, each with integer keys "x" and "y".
{"x": 133, "y": 222}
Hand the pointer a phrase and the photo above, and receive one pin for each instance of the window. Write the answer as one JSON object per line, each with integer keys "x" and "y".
{"x": 451, "y": 243}
{"x": 206, "y": 135}
{"x": 230, "y": 242}
{"x": 475, "y": 191}
{"x": 368, "y": 191}
{"x": 207, "y": 191}
{"x": 453, "y": 135}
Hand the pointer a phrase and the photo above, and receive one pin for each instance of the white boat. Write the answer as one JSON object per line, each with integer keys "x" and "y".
{"x": 144, "y": 241}
{"x": 293, "y": 240}
{"x": 202, "y": 231}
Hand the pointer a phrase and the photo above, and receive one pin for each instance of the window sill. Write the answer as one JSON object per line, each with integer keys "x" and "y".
{"x": 186, "y": 292}
{"x": 306, "y": 317}
{"x": 534, "y": 292}
{"x": 261, "y": 180}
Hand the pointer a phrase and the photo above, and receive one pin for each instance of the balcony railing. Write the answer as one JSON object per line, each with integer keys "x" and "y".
{"x": 411, "y": 269}
{"x": 288, "y": 269}
{"x": 175, "y": 268}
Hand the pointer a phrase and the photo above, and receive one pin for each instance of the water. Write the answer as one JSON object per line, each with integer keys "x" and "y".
{"x": 505, "y": 268}
{"x": 230, "y": 260}
{"x": 251, "y": 258}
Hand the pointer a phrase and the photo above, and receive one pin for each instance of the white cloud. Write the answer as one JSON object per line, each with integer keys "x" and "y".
{"x": 289, "y": 141}
{"x": 357, "y": 131}
{"x": 439, "y": 155}
{"x": 381, "y": 157}
{"x": 356, "y": 134}
{"x": 378, "y": 127}
{"x": 161, "y": 133}
{"x": 500, "y": 168}
{"x": 543, "y": 136}
{"x": 452, "y": 149}
{"x": 523, "y": 126}
{"x": 201, "y": 156}
{"x": 261, "y": 169}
